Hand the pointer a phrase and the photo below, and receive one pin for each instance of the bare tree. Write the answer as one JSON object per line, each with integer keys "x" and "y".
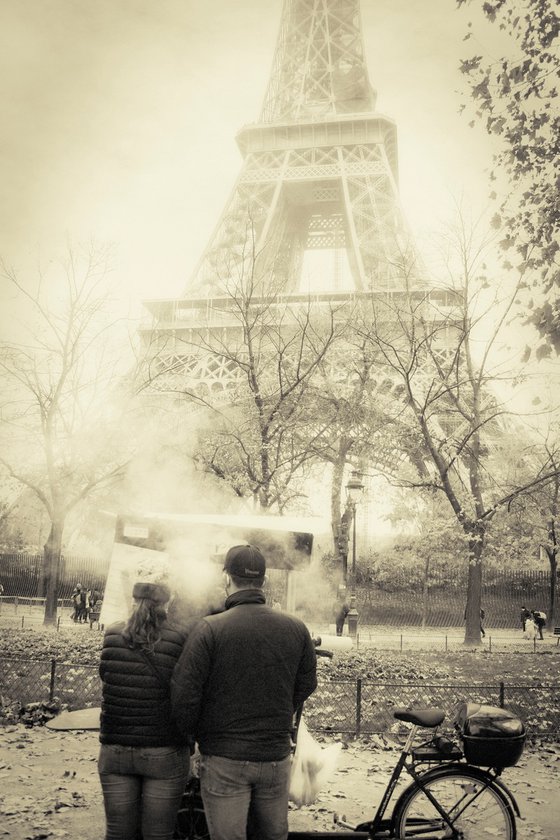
{"x": 446, "y": 351}
{"x": 253, "y": 361}
{"x": 266, "y": 434}
{"x": 540, "y": 507}
{"x": 550, "y": 508}
{"x": 63, "y": 420}
{"x": 359, "y": 416}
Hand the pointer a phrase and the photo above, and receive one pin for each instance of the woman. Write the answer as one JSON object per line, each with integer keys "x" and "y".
{"x": 143, "y": 761}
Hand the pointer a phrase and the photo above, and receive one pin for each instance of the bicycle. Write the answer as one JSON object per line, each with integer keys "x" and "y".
{"x": 458, "y": 796}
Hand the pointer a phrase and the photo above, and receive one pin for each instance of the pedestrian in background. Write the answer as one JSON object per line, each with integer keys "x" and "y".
{"x": 76, "y": 602}
{"x": 144, "y": 761}
{"x": 241, "y": 677}
{"x": 93, "y": 598}
{"x": 525, "y": 614}
{"x": 482, "y": 616}
{"x": 539, "y": 617}
{"x": 342, "y": 611}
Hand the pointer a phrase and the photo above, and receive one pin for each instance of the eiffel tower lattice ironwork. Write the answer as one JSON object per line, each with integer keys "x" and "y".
{"x": 317, "y": 190}
{"x": 320, "y": 166}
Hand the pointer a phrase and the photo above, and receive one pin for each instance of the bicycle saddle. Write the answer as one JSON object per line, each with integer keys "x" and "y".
{"x": 420, "y": 717}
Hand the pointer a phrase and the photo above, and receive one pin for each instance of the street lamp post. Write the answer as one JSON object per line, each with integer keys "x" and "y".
{"x": 354, "y": 490}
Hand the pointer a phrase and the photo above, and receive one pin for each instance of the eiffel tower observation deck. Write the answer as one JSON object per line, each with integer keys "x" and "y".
{"x": 315, "y": 211}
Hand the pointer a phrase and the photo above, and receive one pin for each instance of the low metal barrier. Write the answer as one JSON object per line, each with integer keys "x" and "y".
{"x": 409, "y": 641}
{"x": 354, "y": 706}
{"x": 362, "y": 706}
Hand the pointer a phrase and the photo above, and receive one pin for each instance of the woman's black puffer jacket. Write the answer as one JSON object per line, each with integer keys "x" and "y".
{"x": 135, "y": 710}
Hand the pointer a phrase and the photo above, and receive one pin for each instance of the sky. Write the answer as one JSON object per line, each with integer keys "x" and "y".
{"x": 118, "y": 121}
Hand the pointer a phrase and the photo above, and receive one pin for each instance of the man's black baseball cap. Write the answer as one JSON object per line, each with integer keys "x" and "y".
{"x": 245, "y": 561}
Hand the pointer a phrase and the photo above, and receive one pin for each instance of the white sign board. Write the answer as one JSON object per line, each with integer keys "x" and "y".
{"x": 129, "y": 563}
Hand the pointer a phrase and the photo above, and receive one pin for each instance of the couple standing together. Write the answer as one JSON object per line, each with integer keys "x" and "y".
{"x": 231, "y": 683}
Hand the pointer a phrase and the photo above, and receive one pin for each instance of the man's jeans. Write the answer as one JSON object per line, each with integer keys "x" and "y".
{"x": 245, "y": 799}
{"x": 142, "y": 790}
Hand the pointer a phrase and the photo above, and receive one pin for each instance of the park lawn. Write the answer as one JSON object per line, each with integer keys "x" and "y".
{"x": 80, "y": 645}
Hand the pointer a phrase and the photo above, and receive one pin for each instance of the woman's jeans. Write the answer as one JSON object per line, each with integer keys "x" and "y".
{"x": 142, "y": 790}
{"x": 245, "y": 799}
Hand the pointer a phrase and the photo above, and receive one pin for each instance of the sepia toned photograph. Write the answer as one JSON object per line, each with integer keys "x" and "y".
{"x": 279, "y": 419}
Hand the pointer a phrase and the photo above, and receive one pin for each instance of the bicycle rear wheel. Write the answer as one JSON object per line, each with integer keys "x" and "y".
{"x": 477, "y": 811}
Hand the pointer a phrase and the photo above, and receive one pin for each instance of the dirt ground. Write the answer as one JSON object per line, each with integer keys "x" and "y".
{"x": 49, "y": 786}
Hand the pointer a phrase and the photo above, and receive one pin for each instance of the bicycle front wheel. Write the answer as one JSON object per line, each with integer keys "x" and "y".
{"x": 476, "y": 810}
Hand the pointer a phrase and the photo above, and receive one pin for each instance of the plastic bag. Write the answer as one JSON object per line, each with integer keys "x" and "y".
{"x": 312, "y": 766}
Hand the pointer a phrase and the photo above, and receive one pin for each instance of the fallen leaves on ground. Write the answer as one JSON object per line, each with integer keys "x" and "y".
{"x": 52, "y": 789}
{"x": 48, "y": 782}
{"x": 82, "y": 646}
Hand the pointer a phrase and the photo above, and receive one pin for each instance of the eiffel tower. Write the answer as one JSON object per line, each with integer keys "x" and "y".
{"x": 317, "y": 189}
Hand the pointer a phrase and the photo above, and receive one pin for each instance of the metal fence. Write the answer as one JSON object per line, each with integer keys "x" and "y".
{"x": 21, "y": 573}
{"x": 495, "y": 641}
{"x": 30, "y": 680}
{"x": 391, "y": 599}
{"x": 351, "y": 706}
{"x": 364, "y": 707}
{"x": 27, "y": 613}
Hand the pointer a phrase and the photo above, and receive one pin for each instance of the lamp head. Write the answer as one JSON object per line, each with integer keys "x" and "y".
{"x": 354, "y": 488}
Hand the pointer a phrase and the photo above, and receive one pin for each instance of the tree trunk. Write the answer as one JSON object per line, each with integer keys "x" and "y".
{"x": 553, "y": 560}
{"x": 40, "y": 575}
{"x": 52, "y": 551}
{"x": 340, "y": 520}
{"x": 474, "y": 593}
{"x": 425, "y": 592}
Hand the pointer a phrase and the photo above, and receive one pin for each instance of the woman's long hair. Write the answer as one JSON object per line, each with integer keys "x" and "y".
{"x": 144, "y": 625}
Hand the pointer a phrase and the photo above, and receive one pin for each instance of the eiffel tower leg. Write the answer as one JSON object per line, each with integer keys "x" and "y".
{"x": 246, "y": 230}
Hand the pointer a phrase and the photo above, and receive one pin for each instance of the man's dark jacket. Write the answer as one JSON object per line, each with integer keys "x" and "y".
{"x": 240, "y": 678}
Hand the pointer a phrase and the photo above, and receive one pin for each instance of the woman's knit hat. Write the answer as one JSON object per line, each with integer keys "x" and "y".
{"x": 158, "y": 592}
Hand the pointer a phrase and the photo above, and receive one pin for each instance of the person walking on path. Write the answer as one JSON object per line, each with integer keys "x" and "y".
{"x": 83, "y": 616}
{"x": 525, "y": 614}
{"x": 482, "y": 616}
{"x": 242, "y": 675}
{"x": 341, "y": 613}
{"x": 76, "y": 602}
{"x": 144, "y": 761}
{"x": 540, "y": 620}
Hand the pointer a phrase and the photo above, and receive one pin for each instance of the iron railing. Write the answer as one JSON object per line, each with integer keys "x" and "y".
{"x": 384, "y": 596}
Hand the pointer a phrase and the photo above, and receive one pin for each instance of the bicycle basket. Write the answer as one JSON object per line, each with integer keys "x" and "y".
{"x": 491, "y": 736}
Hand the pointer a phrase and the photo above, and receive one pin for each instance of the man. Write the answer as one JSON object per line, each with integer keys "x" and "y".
{"x": 342, "y": 611}
{"x": 76, "y": 601}
{"x": 540, "y": 620}
{"x": 240, "y": 678}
